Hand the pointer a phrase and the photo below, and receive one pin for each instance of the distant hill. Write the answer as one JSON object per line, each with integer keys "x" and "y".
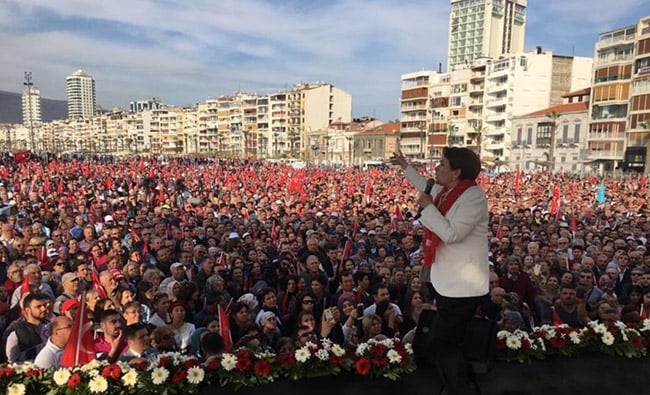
{"x": 11, "y": 108}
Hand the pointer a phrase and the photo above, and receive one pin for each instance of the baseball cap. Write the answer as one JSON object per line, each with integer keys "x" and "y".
{"x": 69, "y": 277}
{"x": 117, "y": 274}
{"x": 108, "y": 218}
{"x": 175, "y": 265}
{"x": 233, "y": 235}
{"x": 69, "y": 304}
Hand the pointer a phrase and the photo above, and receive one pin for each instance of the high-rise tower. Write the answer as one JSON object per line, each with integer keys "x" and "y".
{"x": 485, "y": 28}
{"x": 81, "y": 95}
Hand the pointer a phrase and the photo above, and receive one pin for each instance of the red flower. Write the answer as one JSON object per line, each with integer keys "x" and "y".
{"x": 163, "y": 362}
{"x": 7, "y": 372}
{"x": 501, "y": 344}
{"x": 558, "y": 343}
{"x": 213, "y": 364}
{"x": 32, "y": 372}
{"x": 362, "y": 366}
{"x": 74, "y": 380}
{"x": 336, "y": 361}
{"x": 286, "y": 360}
{"x": 179, "y": 376}
{"x": 192, "y": 362}
{"x": 638, "y": 341}
{"x": 525, "y": 344}
{"x": 243, "y": 354}
{"x": 380, "y": 362}
{"x": 112, "y": 371}
{"x": 262, "y": 368}
{"x": 139, "y": 363}
{"x": 243, "y": 364}
{"x": 378, "y": 350}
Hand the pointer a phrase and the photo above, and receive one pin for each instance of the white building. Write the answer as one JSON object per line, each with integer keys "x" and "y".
{"x": 31, "y": 103}
{"x": 485, "y": 28}
{"x": 532, "y": 136}
{"x": 520, "y": 84}
{"x": 81, "y": 95}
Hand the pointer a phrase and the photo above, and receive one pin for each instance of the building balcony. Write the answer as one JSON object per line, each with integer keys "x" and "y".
{"x": 418, "y": 107}
{"x": 477, "y": 88}
{"x": 640, "y": 89}
{"x": 496, "y": 117}
{"x": 475, "y": 103}
{"x": 613, "y": 155}
{"x": 615, "y": 41}
{"x": 495, "y": 146}
{"x": 502, "y": 101}
{"x": 413, "y": 118}
{"x": 614, "y": 59}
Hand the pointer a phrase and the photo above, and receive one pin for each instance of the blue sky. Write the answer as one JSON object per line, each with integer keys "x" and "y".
{"x": 187, "y": 51}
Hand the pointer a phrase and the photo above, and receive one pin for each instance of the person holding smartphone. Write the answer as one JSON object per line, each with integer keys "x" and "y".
{"x": 455, "y": 265}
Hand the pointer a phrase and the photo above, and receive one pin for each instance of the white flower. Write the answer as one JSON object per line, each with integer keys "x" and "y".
{"x": 61, "y": 376}
{"x": 16, "y": 389}
{"x": 550, "y": 334}
{"x": 159, "y": 375}
{"x": 90, "y": 366}
{"x": 98, "y": 385}
{"x": 574, "y": 337}
{"x": 513, "y": 343}
{"x": 503, "y": 335}
{"x": 228, "y": 362}
{"x": 302, "y": 354}
{"x": 338, "y": 350}
{"x": 607, "y": 338}
{"x": 326, "y": 343}
{"x": 393, "y": 356}
{"x": 388, "y": 343}
{"x": 311, "y": 345}
{"x": 646, "y": 325}
{"x": 409, "y": 348}
{"x": 195, "y": 375}
{"x": 322, "y": 354}
{"x": 620, "y": 325}
{"x": 130, "y": 378}
{"x": 600, "y": 329}
{"x": 361, "y": 349}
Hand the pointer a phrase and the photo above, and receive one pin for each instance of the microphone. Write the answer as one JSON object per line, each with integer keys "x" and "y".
{"x": 427, "y": 189}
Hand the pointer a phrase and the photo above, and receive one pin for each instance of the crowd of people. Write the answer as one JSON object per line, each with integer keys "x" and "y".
{"x": 163, "y": 253}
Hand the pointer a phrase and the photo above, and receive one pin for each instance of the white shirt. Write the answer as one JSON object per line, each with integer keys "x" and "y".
{"x": 49, "y": 356}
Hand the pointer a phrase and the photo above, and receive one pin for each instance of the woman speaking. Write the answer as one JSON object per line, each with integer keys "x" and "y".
{"x": 455, "y": 216}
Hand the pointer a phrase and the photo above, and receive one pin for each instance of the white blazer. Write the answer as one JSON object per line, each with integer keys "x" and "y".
{"x": 461, "y": 266}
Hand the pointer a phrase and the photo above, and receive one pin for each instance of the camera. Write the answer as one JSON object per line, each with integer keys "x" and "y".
{"x": 360, "y": 310}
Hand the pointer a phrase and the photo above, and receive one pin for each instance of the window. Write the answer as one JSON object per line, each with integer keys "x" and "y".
{"x": 576, "y": 133}
{"x": 529, "y": 134}
{"x": 565, "y": 132}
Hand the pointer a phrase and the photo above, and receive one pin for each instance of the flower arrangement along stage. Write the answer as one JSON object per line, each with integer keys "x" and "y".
{"x": 174, "y": 373}
{"x": 616, "y": 339}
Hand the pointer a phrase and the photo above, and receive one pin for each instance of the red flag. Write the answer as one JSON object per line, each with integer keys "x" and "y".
{"x": 24, "y": 287}
{"x": 573, "y": 227}
{"x": 347, "y": 250}
{"x": 500, "y": 229}
{"x": 80, "y": 348}
{"x": 643, "y": 180}
{"x": 22, "y": 156}
{"x": 223, "y": 260}
{"x": 97, "y": 285}
{"x": 398, "y": 213}
{"x": 224, "y": 329}
{"x": 274, "y": 232}
{"x": 557, "y": 321}
{"x": 517, "y": 179}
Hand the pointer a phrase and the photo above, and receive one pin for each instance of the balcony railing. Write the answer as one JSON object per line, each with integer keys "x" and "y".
{"x": 607, "y": 136}
{"x": 605, "y": 154}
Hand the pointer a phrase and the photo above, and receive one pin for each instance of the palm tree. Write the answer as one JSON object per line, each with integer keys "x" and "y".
{"x": 554, "y": 116}
{"x": 423, "y": 134}
{"x": 326, "y": 148}
{"x": 478, "y": 130}
{"x": 292, "y": 138}
{"x": 645, "y": 125}
{"x": 246, "y": 133}
{"x": 451, "y": 131}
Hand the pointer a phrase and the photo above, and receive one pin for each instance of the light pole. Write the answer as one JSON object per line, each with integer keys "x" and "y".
{"x": 349, "y": 139}
{"x": 29, "y": 84}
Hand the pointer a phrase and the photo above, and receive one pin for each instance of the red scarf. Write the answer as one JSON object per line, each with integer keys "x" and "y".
{"x": 431, "y": 240}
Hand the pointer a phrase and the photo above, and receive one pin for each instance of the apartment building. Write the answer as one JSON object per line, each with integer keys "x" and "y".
{"x": 416, "y": 112}
{"x": 80, "y": 89}
{"x": 636, "y": 154}
{"x": 485, "y": 28}
{"x": 522, "y": 83}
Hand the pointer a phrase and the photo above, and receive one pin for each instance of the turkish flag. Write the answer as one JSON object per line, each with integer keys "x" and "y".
{"x": 80, "y": 348}
{"x": 224, "y": 329}
{"x": 22, "y": 156}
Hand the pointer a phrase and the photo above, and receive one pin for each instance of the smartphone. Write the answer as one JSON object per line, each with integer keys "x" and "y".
{"x": 328, "y": 315}
{"x": 360, "y": 310}
{"x": 537, "y": 270}
{"x": 580, "y": 292}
